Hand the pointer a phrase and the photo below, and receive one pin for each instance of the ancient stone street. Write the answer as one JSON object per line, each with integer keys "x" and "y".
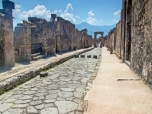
{"x": 61, "y": 92}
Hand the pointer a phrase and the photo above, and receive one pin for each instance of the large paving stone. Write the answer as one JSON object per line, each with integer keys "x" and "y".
{"x": 14, "y": 111}
{"x": 49, "y": 111}
{"x": 51, "y": 96}
{"x": 5, "y": 106}
{"x": 65, "y": 94}
{"x": 67, "y": 89}
{"x": 35, "y": 103}
{"x": 66, "y": 106}
{"x": 31, "y": 110}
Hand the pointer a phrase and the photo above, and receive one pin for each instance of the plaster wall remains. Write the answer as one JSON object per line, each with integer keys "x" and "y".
{"x": 7, "y": 57}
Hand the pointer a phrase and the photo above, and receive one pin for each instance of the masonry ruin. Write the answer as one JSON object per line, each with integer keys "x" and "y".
{"x": 132, "y": 37}
{"x": 37, "y": 38}
{"x": 6, "y": 34}
{"x": 41, "y": 38}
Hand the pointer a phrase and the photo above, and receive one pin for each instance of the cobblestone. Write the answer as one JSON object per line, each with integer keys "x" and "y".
{"x": 58, "y": 93}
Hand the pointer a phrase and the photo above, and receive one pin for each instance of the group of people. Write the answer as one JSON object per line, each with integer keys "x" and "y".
{"x": 100, "y": 45}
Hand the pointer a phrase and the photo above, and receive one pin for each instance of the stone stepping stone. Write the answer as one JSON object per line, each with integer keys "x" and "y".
{"x": 76, "y": 55}
{"x": 88, "y": 56}
{"x": 43, "y": 74}
{"x": 95, "y": 56}
{"x": 82, "y": 56}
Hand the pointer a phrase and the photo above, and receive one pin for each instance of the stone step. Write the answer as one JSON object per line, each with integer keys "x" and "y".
{"x": 35, "y": 54}
{"x": 39, "y": 57}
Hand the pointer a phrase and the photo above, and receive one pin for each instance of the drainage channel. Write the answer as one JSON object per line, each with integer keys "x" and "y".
{"x": 61, "y": 90}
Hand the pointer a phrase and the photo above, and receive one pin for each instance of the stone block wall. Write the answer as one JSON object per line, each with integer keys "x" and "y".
{"x": 142, "y": 39}
{"x": 42, "y": 39}
{"x": 7, "y": 57}
{"x": 22, "y": 41}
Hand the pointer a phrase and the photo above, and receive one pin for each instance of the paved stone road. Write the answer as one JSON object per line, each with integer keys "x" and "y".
{"x": 58, "y": 93}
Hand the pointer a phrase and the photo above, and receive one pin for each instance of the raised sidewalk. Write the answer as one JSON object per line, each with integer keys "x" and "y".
{"x": 110, "y": 96}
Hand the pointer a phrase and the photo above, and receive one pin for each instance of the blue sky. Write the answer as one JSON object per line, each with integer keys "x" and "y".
{"x": 95, "y": 12}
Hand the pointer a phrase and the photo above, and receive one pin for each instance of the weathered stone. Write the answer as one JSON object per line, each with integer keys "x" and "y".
{"x": 39, "y": 107}
{"x": 43, "y": 74}
{"x": 88, "y": 56}
{"x": 76, "y": 55}
{"x": 5, "y": 106}
{"x": 65, "y": 94}
{"x": 49, "y": 111}
{"x": 19, "y": 105}
{"x": 51, "y": 96}
{"x": 35, "y": 103}
{"x": 31, "y": 110}
{"x": 22, "y": 101}
{"x": 67, "y": 89}
{"x": 95, "y": 56}
{"x": 82, "y": 56}
{"x": 65, "y": 106}
{"x": 14, "y": 111}
{"x": 50, "y": 101}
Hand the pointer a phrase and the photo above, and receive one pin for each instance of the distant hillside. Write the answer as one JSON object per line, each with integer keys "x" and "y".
{"x": 94, "y": 28}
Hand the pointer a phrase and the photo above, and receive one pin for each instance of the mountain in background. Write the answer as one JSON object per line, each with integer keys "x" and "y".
{"x": 95, "y": 28}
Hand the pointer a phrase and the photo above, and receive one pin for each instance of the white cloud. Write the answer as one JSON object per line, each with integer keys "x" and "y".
{"x": 38, "y": 11}
{"x": 116, "y": 16}
{"x": 60, "y": 11}
{"x": 77, "y": 17}
{"x": 90, "y": 13}
{"x": 41, "y": 11}
{"x": 117, "y": 13}
{"x": 67, "y": 14}
{"x": 92, "y": 20}
{"x": 17, "y": 9}
{"x": 55, "y": 11}
{"x": 69, "y": 8}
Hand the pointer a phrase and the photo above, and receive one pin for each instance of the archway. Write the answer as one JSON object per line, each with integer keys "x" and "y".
{"x": 100, "y": 39}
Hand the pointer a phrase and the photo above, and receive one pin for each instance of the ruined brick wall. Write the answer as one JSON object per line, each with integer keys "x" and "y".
{"x": 42, "y": 36}
{"x": 83, "y": 38}
{"x": 78, "y": 39}
{"x": 7, "y": 57}
{"x": 64, "y": 38}
{"x": 118, "y": 39}
{"x": 141, "y": 46}
{"x": 22, "y": 41}
{"x": 89, "y": 40}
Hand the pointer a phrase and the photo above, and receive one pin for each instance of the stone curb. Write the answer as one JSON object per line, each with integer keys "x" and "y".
{"x": 18, "y": 79}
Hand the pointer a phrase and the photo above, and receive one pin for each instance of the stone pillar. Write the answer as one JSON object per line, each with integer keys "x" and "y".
{"x": 6, "y": 40}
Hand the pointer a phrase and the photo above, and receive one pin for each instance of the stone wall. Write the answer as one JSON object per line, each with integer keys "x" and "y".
{"x": 22, "y": 41}
{"x": 111, "y": 40}
{"x": 42, "y": 39}
{"x": 142, "y": 39}
{"x": 48, "y": 37}
{"x": 133, "y": 37}
{"x": 118, "y": 40}
{"x": 6, "y": 35}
